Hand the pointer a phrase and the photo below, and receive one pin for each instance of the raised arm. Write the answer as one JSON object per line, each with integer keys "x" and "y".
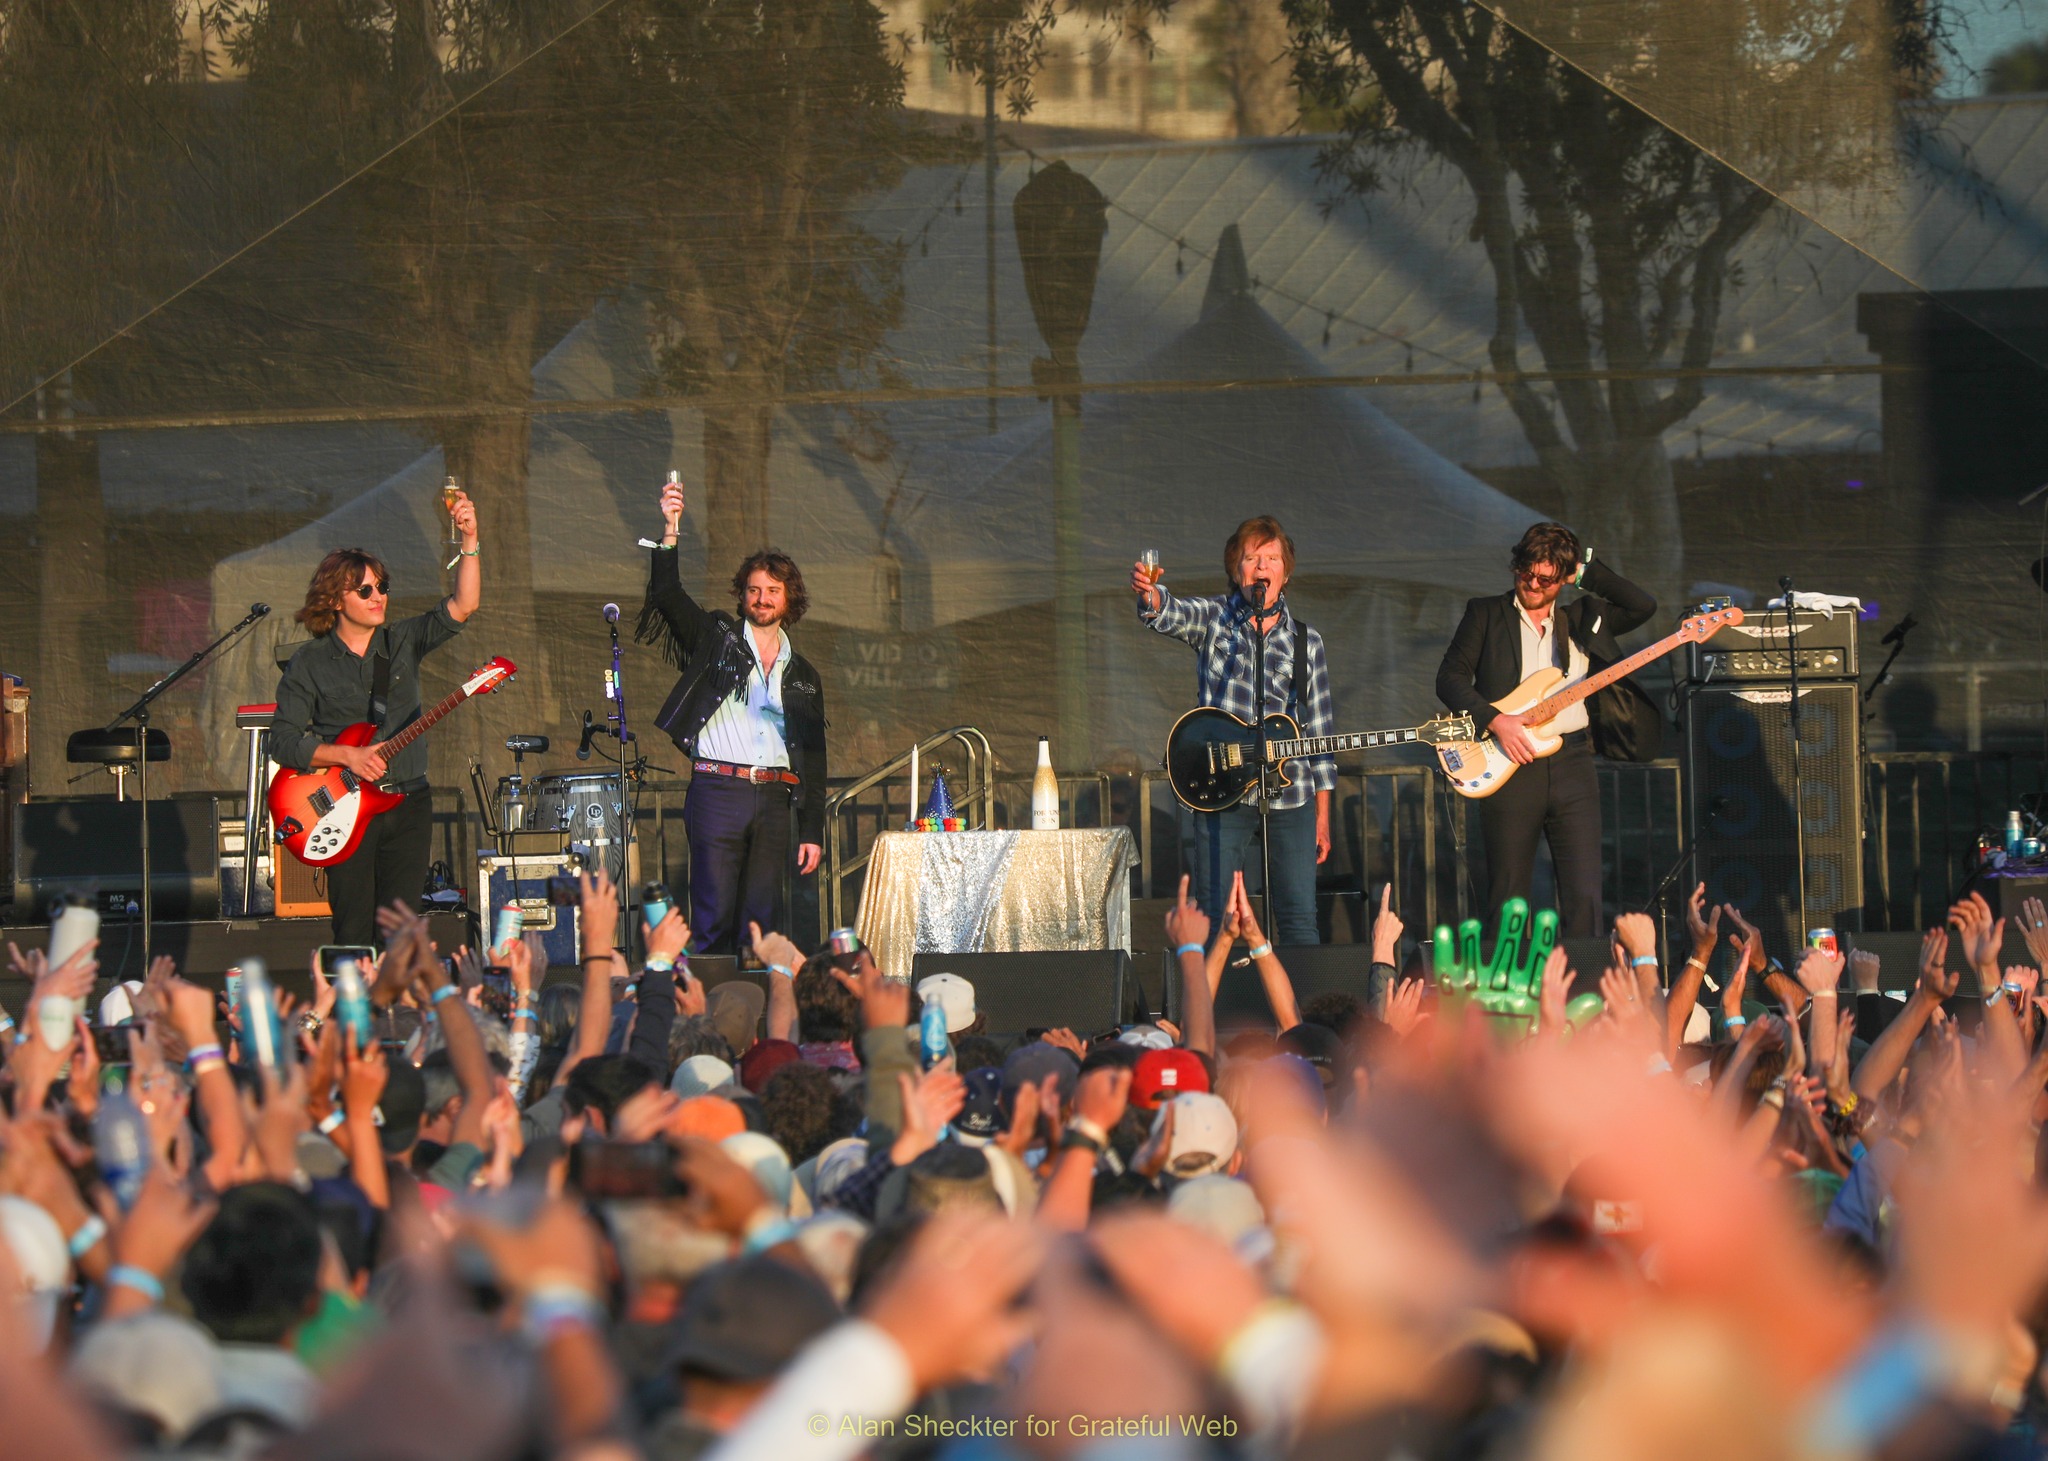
{"x": 1630, "y": 606}
{"x": 784, "y": 962}
{"x": 1187, "y": 929}
{"x": 469, "y": 578}
{"x": 1272, "y": 974}
{"x": 1886, "y": 1056}
{"x": 1685, "y": 988}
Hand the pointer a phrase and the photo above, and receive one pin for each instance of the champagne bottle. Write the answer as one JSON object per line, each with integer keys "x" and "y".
{"x": 1045, "y": 792}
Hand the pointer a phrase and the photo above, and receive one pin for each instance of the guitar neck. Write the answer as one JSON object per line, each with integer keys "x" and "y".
{"x": 424, "y": 724}
{"x": 1277, "y": 751}
{"x": 1551, "y": 706}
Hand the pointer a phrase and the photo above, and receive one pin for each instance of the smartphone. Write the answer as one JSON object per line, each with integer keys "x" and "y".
{"x": 564, "y": 891}
{"x": 498, "y": 980}
{"x": 331, "y": 956}
{"x": 625, "y": 1169}
{"x": 110, "y": 1043}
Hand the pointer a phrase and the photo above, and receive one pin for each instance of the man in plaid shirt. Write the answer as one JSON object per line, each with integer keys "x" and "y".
{"x": 1220, "y": 629}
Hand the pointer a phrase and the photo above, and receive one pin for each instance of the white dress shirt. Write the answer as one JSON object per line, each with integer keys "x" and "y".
{"x": 747, "y": 728}
{"x": 1539, "y": 651}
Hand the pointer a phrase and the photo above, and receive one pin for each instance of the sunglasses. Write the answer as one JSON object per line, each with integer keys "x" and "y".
{"x": 1535, "y": 580}
{"x": 377, "y": 590}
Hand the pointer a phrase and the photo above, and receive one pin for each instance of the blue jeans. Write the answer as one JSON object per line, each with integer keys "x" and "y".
{"x": 1225, "y": 842}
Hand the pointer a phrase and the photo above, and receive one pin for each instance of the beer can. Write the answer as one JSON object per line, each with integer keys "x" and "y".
{"x": 2030, "y": 847}
{"x": 1823, "y": 939}
{"x": 845, "y": 941}
{"x": 511, "y": 923}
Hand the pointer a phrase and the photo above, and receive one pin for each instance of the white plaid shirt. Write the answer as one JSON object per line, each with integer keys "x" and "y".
{"x": 1219, "y": 627}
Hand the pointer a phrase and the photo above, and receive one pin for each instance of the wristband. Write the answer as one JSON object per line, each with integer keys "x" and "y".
{"x": 6, "y": 1023}
{"x": 656, "y": 964}
{"x": 526, "y": 1014}
{"x": 1262, "y": 951}
{"x": 557, "y": 1306}
{"x": 1082, "y": 1126}
{"x": 196, "y": 1058}
{"x": 332, "y": 1121}
{"x": 473, "y": 552}
{"x": 1641, "y": 959}
{"x": 444, "y": 992}
{"x": 1073, "y": 1140}
{"x": 1584, "y": 564}
{"x": 1196, "y": 949}
{"x": 1733, "y": 1021}
{"x": 128, "y": 1276}
{"x": 89, "y": 1232}
{"x": 1695, "y": 962}
{"x": 768, "y": 1235}
{"x": 783, "y": 969}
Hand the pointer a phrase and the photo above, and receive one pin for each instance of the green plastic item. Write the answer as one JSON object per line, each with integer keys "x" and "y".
{"x": 1508, "y": 986}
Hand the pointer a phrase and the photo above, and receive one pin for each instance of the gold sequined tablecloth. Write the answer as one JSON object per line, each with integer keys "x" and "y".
{"x": 975, "y": 892}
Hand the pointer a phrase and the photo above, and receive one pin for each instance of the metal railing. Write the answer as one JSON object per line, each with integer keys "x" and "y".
{"x": 854, "y": 817}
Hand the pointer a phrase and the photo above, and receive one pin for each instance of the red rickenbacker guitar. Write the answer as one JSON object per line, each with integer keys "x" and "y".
{"x": 320, "y": 814}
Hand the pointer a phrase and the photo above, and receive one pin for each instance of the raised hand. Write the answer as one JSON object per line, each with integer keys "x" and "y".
{"x": 1820, "y": 972}
{"x": 1702, "y": 924}
{"x": 1637, "y": 935}
{"x": 1404, "y": 1006}
{"x": 930, "y": 1100}
{"x": 1103, "y": 1095}
{"x": 2034, "y": 929}
{"x": 672, "y": 505}
{"x": 1186, "y": 923}
{"x": 599, "y": 910}
{"x": 1747, "y": 940}
{"x": 1937, "y": 981}
{"x": 363, "y": 1075}
{"x": 774, "y": 949}
{"x": 1554, "y": 992}
{"x": 1387, "y": 929}
{"x": 668, "y": 938}
{"x": 1863, "y": 971}
{"x": 1143, "y": 586}
{"x": 1981, "y": 935}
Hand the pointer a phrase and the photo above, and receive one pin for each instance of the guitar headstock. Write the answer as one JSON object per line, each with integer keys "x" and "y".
{"x": 1702, "y": 627}
{"x": 489, "y": 676}
{"x": 1446, "y": 728}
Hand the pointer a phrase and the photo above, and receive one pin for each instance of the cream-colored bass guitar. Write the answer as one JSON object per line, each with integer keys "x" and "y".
{"x": 1481, "y": 768}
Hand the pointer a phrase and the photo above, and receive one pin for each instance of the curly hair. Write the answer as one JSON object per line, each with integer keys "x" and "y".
{"x": 825, "y": 1009}
{"x": 1551, "y": 544}
{"x": 801, "y": 1109}
{"x": 339, "y": 573}
{"x": 782, "y": 568}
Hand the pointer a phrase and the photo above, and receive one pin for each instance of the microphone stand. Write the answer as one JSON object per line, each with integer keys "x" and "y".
{"x": 1257, "y": 595}
{"x": 1798, "y": 787}
{"x": 139, "y": 713}
{"x": 1897, "y": 640}
{"x": 617, "y": 728}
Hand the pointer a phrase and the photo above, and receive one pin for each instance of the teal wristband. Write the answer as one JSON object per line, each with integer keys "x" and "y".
{"x": 783, "y": 969}
{"x": 1641, "y": 959}
{"x": 1189, "y": 949}
{"x": 658, "y": 965}
{"x": 444, "y": 992}
{"x": 1261, "y": 951}
{"x": 89, "y": 1233}
{"x": 1734, "y": 1020}
{"x": 128, "y": 1276}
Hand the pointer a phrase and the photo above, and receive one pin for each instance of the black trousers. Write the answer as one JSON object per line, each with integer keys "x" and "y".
{"x": 1556, "y": 797}
{"x": 389, "y": 863}
{"x": 739, "y": 859}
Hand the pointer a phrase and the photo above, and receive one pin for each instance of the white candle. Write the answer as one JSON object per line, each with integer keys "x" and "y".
{"x": 913, "y": 781}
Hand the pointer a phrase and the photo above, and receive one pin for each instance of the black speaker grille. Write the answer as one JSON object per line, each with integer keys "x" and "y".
{"x": 1739, "y": 791}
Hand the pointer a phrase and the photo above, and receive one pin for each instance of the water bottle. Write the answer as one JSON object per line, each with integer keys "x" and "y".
{"x": 352, "y": 1003}
{"x": 2012, "y": 834}
{"x": 655, "y": 904}
{"x": 1045, "y": 792}
{"x": 933, "y": 1042}
{"x": 56, "y": 1015}
{"x": 262, "y": 1031}
{"x": 121, "y": 1146}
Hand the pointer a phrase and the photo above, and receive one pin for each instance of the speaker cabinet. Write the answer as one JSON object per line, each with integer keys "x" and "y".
{"x": 1084, "y": 990}
{"x": 301, "y": 887}
{"x": 93, "y": 846}
{"x": 1739, "y": 791}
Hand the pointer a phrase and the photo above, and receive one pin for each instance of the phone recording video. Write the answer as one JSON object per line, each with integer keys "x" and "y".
{"x": 615, "y": 1170}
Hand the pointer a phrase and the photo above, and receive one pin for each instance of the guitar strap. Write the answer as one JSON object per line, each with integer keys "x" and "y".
{"x": 380, "y": 689}
{"x": 1298, "y": 685}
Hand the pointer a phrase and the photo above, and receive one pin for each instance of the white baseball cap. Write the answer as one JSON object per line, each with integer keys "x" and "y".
{"x": 700, "y": 1075}
{"x": 954, "y": 995}
{"x": 1204, "y": 1134}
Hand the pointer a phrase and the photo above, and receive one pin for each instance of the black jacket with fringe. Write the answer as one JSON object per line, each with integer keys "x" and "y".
{"x": 707, "y": 645}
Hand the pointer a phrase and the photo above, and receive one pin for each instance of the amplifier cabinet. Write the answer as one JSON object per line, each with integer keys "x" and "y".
{"x": 1739, "y": 796}
{"x": 524, "y": 880}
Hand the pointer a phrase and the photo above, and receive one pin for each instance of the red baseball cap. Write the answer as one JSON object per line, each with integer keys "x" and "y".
{"x": 1160, "y": 1075}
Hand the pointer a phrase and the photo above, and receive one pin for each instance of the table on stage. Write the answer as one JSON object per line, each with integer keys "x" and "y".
{"x": 992, "y": 892}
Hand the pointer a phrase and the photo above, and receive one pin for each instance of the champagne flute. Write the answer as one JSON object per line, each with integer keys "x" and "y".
{"x": 1149, "y": 561}
{"x": 451, "y": 493}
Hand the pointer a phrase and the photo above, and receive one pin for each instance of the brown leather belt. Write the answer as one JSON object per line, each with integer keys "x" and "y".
{"x": 755, "y": 774}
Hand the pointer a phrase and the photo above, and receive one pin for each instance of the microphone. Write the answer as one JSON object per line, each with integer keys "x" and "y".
{"x": 611, "y": 613}
{"x": 257, "y": 611}
{"x": 589, "y": 730}
{"x": 1785, "y": 584}
{"x": 1900, "y": 630}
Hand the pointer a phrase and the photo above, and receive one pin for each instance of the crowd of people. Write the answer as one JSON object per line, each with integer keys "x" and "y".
{"x": 1744, "y": 1212}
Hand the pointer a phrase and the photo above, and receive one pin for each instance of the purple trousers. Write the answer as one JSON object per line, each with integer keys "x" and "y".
{"x": 739, "y": 859}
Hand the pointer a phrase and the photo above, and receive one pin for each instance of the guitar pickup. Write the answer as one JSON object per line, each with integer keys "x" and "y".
{"x": 322, "y": 801}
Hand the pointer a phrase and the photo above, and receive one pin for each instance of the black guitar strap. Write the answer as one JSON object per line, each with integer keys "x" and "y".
{"x": 380, "y": 689}
{"x": 1297, "y": 690}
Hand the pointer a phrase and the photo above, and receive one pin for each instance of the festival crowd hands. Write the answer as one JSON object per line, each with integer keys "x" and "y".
{"x": 1347, "y": 1232}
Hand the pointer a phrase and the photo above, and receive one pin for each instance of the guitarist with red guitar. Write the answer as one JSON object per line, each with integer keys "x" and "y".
{"x": 359, "y": 668}
{"x": 1544, "y": 788}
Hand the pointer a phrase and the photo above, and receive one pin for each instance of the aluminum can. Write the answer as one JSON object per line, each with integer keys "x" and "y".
{"x": 1823, "y": 939}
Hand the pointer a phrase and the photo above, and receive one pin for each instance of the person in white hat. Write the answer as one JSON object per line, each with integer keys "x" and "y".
{"x": 956, "y": 997}
{"x": 1204, "y": 1136}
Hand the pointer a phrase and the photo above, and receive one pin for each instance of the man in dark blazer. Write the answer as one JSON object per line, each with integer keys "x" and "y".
{"x": 1502, "y": 640}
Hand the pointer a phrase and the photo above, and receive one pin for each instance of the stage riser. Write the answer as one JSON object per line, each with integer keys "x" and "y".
{"x": 1088, "y": 991}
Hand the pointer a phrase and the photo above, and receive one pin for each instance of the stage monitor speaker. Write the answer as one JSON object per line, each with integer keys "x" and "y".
{"x": 1084, "y": 990}
{"x": 1738, "y": 803}
{"x": 93, "y": 846}
{"x": 301, "y": 890}
{"x": 1312, "y": 969}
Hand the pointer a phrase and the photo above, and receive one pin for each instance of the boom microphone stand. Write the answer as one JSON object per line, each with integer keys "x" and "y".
{"x": 1798, "y": 794}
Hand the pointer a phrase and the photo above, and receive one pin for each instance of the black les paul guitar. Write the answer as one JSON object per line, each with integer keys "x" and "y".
{"x": 1212, "y": 757}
